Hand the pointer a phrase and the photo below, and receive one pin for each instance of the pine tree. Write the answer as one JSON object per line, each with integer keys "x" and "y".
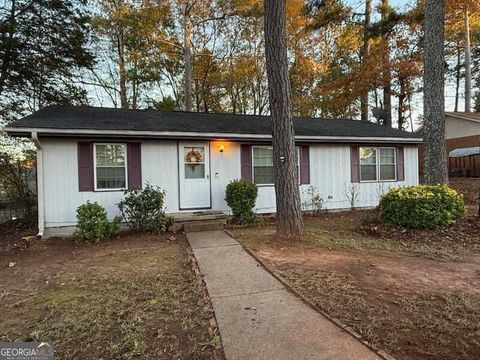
{"x": 435, "y": 157}
{"x": 289, "y": 215}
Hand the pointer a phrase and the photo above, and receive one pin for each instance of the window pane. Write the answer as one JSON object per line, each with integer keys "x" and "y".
{"x": 110, "y": 177}
{"x": 387, "y": 172}
{"x": 262, "y": 156}
{"x": 110, "y": 166}
{"x": 194, "y": 171}
{"x": 263, "y": 165}
{"x": 387, "y": 156}
{"x": 194, "y": 155}
{"x": 263, "y": 175}
{"x": 110, "y": 154}
{"x": 368, "y": 156}
{"x": 368, "y": 172}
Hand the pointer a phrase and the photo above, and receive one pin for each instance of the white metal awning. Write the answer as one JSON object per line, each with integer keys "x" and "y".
{"x": 460, "y": 152}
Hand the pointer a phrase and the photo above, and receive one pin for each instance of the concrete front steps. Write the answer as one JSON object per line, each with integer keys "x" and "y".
{"x": 199, "y": 221}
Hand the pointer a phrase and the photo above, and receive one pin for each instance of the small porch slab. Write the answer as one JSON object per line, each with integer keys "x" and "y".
{"x": 201, "y": 220}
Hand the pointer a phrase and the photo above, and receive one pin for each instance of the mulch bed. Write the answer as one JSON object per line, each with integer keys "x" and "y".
{"x": 466, "y": 231}
{"x": 469, "y": 187}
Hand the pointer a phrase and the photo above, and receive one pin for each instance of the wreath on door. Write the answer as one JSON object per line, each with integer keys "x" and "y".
{"x": 193, "y": 156}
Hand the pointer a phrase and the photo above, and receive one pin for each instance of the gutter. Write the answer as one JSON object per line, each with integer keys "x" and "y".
{"x": 40, "y": 188}
{"x": 199, "y": 135}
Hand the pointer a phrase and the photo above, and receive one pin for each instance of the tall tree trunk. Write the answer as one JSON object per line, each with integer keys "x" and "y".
{"x": 457, "y": 79}
{"x": 8, "y": 46}
{"x": 187, "y": 56}
{"x": 435, "y": 156}
{"x": 468, "y": 66}
{"x": 387, "y": 76}
{"x": 365, "y": 53}
{"x": 289, "y": 213}
{"x": 122, "y": 70}
{"x": 197, "y": 95}
{"x": 402, "y": 96}
{"x": 134, "y": 85}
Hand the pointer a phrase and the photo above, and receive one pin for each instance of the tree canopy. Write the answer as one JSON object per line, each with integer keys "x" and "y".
{"x": 345, "y": 60}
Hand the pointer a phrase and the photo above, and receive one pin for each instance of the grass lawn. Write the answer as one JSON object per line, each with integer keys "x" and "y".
{"x": 133, "y": 297}
{"x": 415, "y": 294}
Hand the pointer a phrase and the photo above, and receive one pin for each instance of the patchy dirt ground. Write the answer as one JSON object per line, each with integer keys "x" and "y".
{"x": 133, "y": 297}
{"x": 409, "y": 299}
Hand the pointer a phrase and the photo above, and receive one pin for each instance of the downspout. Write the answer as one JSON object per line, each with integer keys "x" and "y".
{"x": 40, "y": 192}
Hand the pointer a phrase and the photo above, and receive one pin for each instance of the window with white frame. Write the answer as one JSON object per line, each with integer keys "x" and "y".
{"x": 387, "y": 165}
{"x": 377, "y": 164}
{"x": 110, "y": 166}
{"x": 262, "y": 164}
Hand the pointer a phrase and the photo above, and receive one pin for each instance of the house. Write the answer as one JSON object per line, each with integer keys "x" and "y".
{"x": 89, "y": 153}
{"x": 462, "y": 136}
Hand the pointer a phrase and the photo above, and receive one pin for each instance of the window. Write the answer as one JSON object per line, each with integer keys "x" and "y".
{"x": 263, "y": 165}
{"x": 387, "y": 164}
{"x": 194, "y": 162}
{"x": 368, "y": 164}
{"x": 377, "y": 164}
{"x": 110, "y": 166}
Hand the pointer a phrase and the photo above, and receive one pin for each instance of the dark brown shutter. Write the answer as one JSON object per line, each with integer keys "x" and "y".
{"x": 400, "y": 164}
{"x": 304, "y": 164}
{"x": 85, "y": 166}
{"x": 355, "y": 163}
{"x": 134, "y": 161}
{"x": 246, "y": 162}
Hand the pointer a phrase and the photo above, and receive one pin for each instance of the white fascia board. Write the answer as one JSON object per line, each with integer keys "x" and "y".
{"x": 180, "y": 134}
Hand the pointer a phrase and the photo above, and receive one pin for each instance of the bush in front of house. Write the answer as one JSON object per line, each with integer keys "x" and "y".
{"x": 422, "y": 206}
{"x": 93, "y": 224}
{"x": 241, "y": 196}
{"x": 143, "y": 209}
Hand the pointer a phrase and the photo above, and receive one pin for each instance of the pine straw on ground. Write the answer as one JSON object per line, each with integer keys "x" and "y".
{"x": 469, "y": 187}
{"x": 433, "y": 324}
{"x": 413, "y": 293}
{"x": 448, "y": 243}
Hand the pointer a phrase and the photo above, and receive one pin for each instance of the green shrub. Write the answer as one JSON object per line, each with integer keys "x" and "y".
{"x": 241, "y": 196}
{"x": 144, "y": 209}
{"x": 423, "y": 206}
{"x": 93, "y": 224}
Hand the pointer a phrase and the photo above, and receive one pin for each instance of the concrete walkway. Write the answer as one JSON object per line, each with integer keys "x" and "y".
{"x": 257, "y": 317}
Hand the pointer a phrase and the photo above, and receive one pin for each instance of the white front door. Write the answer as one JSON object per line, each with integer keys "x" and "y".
{"x": 194, "y": 175}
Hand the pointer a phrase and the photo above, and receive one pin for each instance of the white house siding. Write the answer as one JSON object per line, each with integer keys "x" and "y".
{"x": 160, "y": 168}
{"x": 62, "y": 197}
{"x": 224, "y": 167}
{"x": 329, "y": 174}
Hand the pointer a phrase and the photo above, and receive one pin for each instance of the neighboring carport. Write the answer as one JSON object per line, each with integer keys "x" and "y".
{"x": 464, "y": 162}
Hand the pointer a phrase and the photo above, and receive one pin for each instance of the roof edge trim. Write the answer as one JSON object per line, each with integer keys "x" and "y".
{"x": 180, "y": 134}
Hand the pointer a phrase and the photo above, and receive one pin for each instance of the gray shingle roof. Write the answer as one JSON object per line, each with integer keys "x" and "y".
{"x": 108, "y": 119}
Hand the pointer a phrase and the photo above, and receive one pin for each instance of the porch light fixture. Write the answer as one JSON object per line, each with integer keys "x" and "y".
{"x": 221, "y": 148}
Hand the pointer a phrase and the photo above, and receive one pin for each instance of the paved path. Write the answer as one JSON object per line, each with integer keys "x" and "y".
{"x": 257, "y": 317}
